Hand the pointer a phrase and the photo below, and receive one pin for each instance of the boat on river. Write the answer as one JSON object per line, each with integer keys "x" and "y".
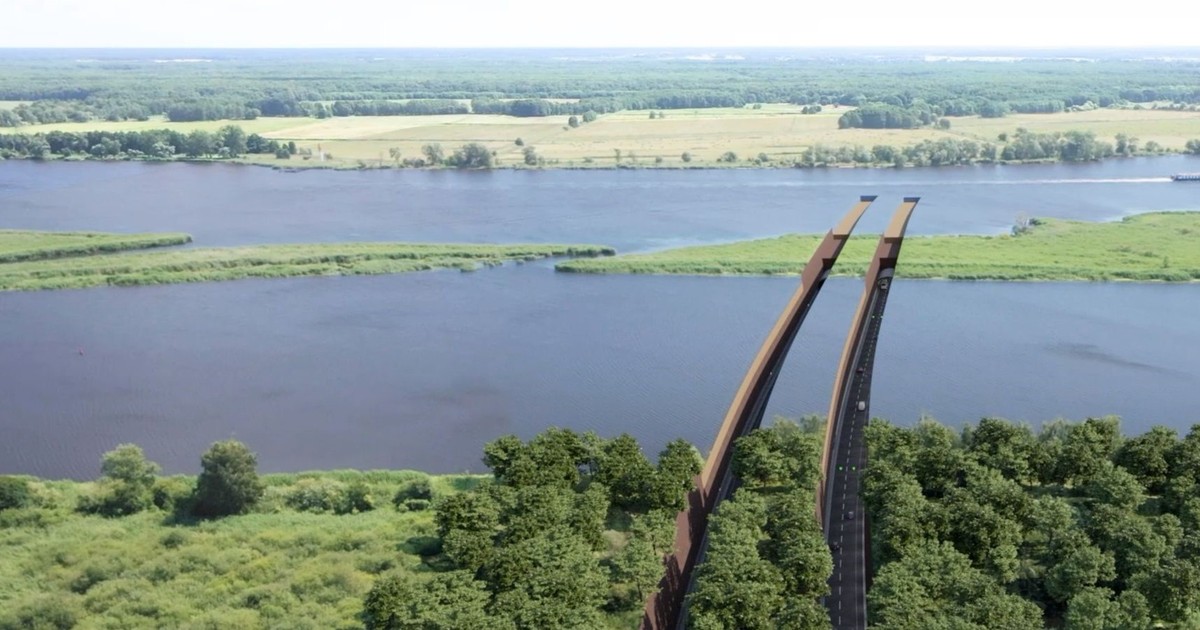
{"x": 1186, "y": 177}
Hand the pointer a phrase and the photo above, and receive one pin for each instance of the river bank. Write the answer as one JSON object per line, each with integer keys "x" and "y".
{"x": 1147, "y": 247}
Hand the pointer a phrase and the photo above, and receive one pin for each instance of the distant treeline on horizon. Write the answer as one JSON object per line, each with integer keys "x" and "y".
{"x": 63, "y": 86}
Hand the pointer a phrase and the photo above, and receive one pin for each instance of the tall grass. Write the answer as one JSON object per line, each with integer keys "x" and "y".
{"x": 269, "y": 261}
{"x": 1163, "y": 246}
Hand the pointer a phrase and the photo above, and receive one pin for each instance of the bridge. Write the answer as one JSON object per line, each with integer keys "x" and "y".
{"x": 844, "y": 446}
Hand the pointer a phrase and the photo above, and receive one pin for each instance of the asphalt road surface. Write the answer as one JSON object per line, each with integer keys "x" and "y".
{"x": 846, "y": 530}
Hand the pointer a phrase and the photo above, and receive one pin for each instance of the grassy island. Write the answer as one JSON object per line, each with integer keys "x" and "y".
{"x": 23, "y": 245}
{"x": 64, "y": 260}
{"x": 1147, "y": 247}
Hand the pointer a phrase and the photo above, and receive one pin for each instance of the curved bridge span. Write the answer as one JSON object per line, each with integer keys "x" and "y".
{"x": 666, "y": 609}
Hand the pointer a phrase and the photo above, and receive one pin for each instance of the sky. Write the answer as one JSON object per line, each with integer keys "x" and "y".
{"x": 602, "y": 23}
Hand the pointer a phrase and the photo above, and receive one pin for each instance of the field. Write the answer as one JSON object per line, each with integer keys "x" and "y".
{"x": 1147, "y": 247}
{"x": 59, "y": 265}
{"x": 779, "y": 131}
{"x": 277, "y": 567}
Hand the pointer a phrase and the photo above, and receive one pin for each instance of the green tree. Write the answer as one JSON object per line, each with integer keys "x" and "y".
{"x": 686, "y": 156}
{"x": 678, "y": 465}
{"x": 728, "y": 157}
{"x": 228, "y": 482}
{"x": 468, "y": 523}
{"x": 573, "y": 122}
{"x": 233, "y": 138}
{"x": 1005, "y": 447}
{"x": 627, "y": 473}
{"x": 548, "y": 581}
{"x": 472, "y": 155}
{"x": 735, "y": 586}
{"x": 797, "y": 546}
{"x": 1082, "y": 568}
{"x": 531, "y": 156}
{"x": 1172, "y": 590}
{"x": 433, "y": 154}
{"x": 936, "y": 587}
{"x": 1087, "y": 448}
{"x": 1184, "y": 460}
{"x": 127, "y": 483}
{"x": 1112, "y": 485}
{"x": 1147, "y": 457}
{"x": 200, "y": 143}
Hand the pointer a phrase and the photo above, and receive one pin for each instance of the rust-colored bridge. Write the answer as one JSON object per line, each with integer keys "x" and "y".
{"x": 844, "y": 447}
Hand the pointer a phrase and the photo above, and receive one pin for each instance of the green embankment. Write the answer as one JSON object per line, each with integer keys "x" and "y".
{"x": 44, "y": 260}
{"x": 1162, "y": 246}
{"x": 277, "y": 567}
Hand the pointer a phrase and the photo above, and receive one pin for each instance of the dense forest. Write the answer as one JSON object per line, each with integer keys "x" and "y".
{"x": 217, "y": 85}
{"x": 997, "y": 526}
{"x": 767, "y": 565}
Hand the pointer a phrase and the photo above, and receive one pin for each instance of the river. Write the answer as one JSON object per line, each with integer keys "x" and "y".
{"x": 419, "y": 370}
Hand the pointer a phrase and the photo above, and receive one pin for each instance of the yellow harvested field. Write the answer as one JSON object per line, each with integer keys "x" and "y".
{"x": 1172, "y": 129}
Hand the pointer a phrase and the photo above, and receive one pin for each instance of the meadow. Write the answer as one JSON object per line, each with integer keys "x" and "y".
{"x": 63, "y": 261}
{"x": 1147, "y": 247}
{"x": 276, "y": 567}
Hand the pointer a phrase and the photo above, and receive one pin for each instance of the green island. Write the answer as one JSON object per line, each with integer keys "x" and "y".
{"x": 67, "y": 260}
{"x": 1157, "y": 246}
{"x": 993, "y": 526}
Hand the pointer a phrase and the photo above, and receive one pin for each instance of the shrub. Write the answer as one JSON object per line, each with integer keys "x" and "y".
{"x": 728, "y": 156}
{"x": 48, "y": 612}
{"x": 686, "y": 157}
{"x": 417, "y": 505}
{"x": 114, "y": 498}
{"x": 14, "y": 493}
{"x": 174, "y": 539}
{"x": 358, "y": 499}
{"x": 317, "y": 495}
{"x": 416, "y": 489}
{"x": 172, "y": 493}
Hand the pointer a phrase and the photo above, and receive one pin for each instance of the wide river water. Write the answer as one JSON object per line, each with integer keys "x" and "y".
{"x": 419, "y": 370}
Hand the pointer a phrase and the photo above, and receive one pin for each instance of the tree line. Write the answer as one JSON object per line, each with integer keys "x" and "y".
{"x": 228, "y": 141}
{"x": 997, "y": 526}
